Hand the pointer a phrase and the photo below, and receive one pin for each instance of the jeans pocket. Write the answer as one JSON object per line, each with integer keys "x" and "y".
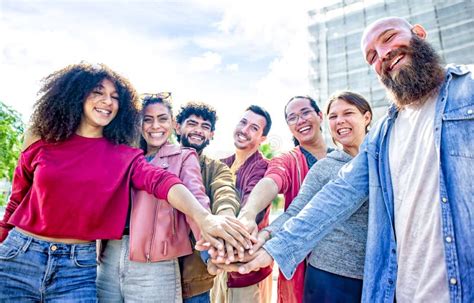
{"x": 85, "y": 259}
{"x": 8, "y": 251}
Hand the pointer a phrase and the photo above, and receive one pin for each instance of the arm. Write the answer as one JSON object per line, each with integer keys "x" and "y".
{"x": 190, "y": 174}
{"x": 313, "y": 182}
{"x": 260, "y": 198}
{"x": 22, "y": 182}
{"x": 224, "y": 196}
{"x": 164, "y": 185}
{"x": 277, "y": 180}
{"x": 336, "y": 202}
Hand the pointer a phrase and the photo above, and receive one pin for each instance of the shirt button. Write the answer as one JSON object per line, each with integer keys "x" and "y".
{"x": 53, "y": 247}
{"x": 449, "y": 239}
{"x": 453, "y": 281}
{"x": 444, "y": 200}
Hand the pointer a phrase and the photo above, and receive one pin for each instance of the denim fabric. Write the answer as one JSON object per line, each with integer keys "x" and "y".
{"x": 122, "y": 280}
{"x": 323, "y": 286}
{"x": 32, "y": 270}
{"x": 202, "y": 298}
{"x": 368, "y": 175}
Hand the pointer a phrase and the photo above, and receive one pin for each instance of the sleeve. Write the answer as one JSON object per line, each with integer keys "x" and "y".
{"x": 333, "y": 204}
{"x": 222, "y": 189}
{"x": 154, "y": 180}
{"x": 22, "y": 182}
{"x": 279, "y": 172}
{"x": 258, "y": 172}
{"x": 313, "y": 182}
{"x": 191, "y": 176}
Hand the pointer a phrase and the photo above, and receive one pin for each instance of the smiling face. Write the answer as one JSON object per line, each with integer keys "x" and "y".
{"x": 195, "y": 132}
{"x": 248, "y": 134}
{"x": 303, "y": 121}
{"x": 347, "y": 125}
{"x": 156, "y": 126}
{"x": 405, "y": 64}
{"x": 99, "y": 109}
{"x": 385, "y": 42}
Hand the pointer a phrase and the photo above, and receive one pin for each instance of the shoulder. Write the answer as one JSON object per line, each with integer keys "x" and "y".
{"x": 29, "y": 138}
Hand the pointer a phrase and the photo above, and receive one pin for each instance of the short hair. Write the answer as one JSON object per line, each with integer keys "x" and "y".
{"x": 199, "y": 109}
{"x": 354, "y": 99}
{"x": 262, "y": 112}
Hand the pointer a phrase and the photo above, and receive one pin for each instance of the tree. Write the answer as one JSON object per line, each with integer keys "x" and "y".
{"x": 268, "y": 152}
{"x": 11, "y": 131}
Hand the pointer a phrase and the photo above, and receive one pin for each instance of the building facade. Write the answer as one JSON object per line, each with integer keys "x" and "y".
{"x": 336, "y": 28}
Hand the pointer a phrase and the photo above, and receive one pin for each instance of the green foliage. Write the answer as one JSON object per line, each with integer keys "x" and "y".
{"x": 266, "y": 150}
{"x": 11, "y": 131}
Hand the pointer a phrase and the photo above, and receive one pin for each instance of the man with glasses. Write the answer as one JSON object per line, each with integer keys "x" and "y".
{"x": 285, "y": 175}
{"x": 195, "y": 128}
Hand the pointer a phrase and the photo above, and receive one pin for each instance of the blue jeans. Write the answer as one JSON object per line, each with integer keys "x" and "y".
{"x": 323, "y": 286}
{"x": 201, "y": 298}
{"x": 122, "y": 280}
{"x": 33, "y": 270}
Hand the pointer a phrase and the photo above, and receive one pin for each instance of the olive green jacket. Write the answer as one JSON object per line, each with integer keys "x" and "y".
{"x": 220, "y": 189}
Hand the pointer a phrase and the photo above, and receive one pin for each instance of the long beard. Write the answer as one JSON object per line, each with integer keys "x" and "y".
{"x": 197, "y": 147}
{"x": 417, "y": 80}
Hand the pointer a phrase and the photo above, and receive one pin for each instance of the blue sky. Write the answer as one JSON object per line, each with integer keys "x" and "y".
{"x": 229, "y": 54}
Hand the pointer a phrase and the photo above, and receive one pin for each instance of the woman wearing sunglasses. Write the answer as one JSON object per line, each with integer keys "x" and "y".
{"x": 73, "y": 184}
{"x": 143, "y": 265}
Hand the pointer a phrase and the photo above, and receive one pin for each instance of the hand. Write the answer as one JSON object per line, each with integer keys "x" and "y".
{"x": 256, "y": 261}
{"x": 227, "y": 228}
{"x": 262, "y": 237}
{"x": 248, "y": 220}
{"x": 213, "y": 269}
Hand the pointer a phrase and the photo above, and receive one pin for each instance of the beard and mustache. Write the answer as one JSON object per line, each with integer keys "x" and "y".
{"x": 418, "y": 78}
{"x": 198, "y": 147}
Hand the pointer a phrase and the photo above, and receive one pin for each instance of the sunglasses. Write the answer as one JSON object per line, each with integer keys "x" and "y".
{"x": 161, "y": 95}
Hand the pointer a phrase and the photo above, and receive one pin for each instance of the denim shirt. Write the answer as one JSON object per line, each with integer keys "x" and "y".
{"x": 368, "y": 175}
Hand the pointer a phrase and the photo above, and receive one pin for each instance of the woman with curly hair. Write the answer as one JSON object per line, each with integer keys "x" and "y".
{"x": 143, "y": 265}
{"x": 73, "y": 184}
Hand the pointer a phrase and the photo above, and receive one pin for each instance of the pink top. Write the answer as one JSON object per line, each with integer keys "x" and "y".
{"x": 79, "y": 188}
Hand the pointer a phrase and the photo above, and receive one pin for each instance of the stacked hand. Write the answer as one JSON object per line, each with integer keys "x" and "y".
{"x": 243, "y": 254}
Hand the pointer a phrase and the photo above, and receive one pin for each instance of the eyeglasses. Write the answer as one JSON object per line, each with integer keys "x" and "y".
{"x": 160, "y": 95}
{"x": 305, "y": 115}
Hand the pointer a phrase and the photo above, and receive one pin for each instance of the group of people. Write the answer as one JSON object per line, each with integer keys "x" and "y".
{"x": 385, "y": 216}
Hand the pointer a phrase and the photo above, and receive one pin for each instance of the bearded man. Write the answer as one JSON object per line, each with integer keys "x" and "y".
{"x": 416, "y": 168}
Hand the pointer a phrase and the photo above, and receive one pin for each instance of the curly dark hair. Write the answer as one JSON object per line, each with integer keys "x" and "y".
{"x": 199, "y": 109}
{"x": 58, "y": 112}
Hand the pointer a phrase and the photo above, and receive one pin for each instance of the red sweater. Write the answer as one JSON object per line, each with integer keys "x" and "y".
{"x": 79, "y": 188}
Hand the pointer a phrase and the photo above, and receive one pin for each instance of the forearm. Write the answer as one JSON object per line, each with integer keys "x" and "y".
{"x": 260, "y": 198}
{"x": 182, "y": 199}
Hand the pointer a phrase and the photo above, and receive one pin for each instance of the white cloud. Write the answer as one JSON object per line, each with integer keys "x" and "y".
{"x": 227, "y": 53}
{"x": 232, "y": 67}
{"x": 206, "y": 62}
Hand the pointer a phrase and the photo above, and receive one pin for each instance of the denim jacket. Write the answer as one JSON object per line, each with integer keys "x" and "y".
{"x": 368, "y": 175}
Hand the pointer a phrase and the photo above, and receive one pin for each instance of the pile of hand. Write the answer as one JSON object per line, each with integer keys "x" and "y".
{"x": 238, "y": 246}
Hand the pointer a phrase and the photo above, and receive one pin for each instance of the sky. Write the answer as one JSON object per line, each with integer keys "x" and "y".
{"x": 229, "y": 54}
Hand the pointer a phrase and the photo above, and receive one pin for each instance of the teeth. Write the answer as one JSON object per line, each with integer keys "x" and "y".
{"x": 303, "y": 129}
{"x": 396, "y": 61}
{"x": 241, "y": 137}
{"x": 156, "y": 135}
{"x": 103, "y": 111}
{"x": 343, "y": 131}
{"x": 196, "y": 137}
